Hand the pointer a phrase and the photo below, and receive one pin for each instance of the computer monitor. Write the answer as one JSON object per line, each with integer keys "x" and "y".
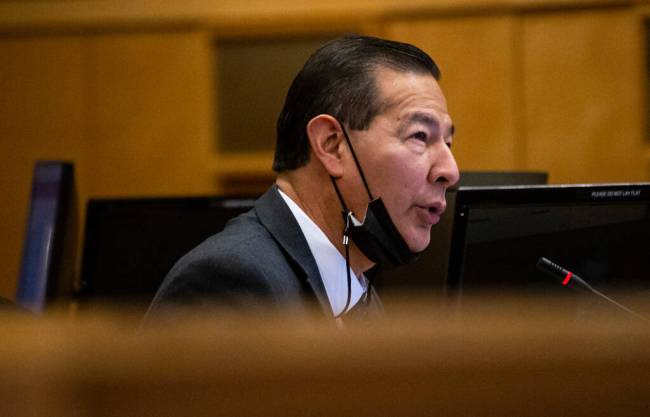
{"x": 131, "y": 243}
{"x": 47, "y": 271}
{"x": 598, "y": 231}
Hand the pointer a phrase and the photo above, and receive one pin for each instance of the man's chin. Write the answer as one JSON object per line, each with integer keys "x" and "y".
{"x": 419, "y": 245}
{"x": 417, "y": 237}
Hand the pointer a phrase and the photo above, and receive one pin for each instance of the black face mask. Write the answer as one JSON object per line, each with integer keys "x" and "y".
{"x": 377, "y": 236}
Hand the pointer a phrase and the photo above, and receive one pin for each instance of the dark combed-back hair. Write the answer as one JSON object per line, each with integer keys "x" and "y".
{"x": 339, "y": 80}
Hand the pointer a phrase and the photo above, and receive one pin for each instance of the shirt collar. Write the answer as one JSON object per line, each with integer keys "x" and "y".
{"x": 330, "y": 262}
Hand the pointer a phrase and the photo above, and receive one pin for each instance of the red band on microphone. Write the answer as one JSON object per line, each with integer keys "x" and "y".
{"x": 567, "y": 278}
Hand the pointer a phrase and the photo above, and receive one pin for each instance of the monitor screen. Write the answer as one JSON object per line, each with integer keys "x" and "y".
{"x": 131, "y": 244}
{"x": 45, "y": 270}
{"x": 599, "y": 232}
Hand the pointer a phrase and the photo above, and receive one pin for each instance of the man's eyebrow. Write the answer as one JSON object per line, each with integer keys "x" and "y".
{"x": 424, "y": 118}
{"x": 418, "y": 117}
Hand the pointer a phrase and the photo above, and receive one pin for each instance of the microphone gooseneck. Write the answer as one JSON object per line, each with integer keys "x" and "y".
{"x": 568, "y": 278}
{"x": 571, "y": 280}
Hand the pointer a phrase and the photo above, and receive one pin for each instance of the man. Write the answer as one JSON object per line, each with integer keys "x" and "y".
{"x": 365, "y": 132}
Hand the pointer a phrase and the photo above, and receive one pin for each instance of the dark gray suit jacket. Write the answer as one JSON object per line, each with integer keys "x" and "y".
{"x": 261, "y": 259}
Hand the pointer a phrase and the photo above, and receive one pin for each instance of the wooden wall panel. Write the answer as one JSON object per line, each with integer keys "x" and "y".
{"x": 41, "y": 117}
{"x": 583, "y": 91}
{"x": 150, "y": 122}
{"x": 476, "y": 56}
{"x": 133, "y": 111}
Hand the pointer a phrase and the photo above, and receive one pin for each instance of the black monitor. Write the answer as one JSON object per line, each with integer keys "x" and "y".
{"x": 599, "y": 231}
{"x": 47, "y": 268}
{"x": 131, "y": 243}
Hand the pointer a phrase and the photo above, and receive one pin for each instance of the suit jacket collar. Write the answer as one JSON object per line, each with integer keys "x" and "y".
{"x": 279, "y": 221}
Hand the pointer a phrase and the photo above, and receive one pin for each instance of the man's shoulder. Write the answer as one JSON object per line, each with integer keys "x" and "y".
{"x": 260, "y": 258}
{"x": 243, "y": 239}
{"x": 243, "y": 261}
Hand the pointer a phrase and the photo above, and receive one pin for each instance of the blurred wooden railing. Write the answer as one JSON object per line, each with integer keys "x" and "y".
{"x": 507, "y": 357}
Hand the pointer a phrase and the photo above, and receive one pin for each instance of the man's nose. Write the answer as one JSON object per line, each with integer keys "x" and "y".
{"x": 444, "y": 168}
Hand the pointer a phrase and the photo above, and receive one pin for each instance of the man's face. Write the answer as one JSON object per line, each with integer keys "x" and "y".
{"x": 405, "y": 154}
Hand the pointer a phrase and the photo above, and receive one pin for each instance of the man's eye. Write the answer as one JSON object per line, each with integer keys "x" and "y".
{"x": 420, "y": 136}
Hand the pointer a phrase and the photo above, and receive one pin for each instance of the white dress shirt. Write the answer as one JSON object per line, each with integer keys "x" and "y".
{"x": 330, "y": 262}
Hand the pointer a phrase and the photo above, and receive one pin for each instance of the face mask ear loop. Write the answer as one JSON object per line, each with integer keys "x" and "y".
{"x": 338, "y": 193}
{"x": 348, "y": 213}
{"x": 346, "y": 244}
{"x": 356, "y": 161}
{"x": 365, "y": 184}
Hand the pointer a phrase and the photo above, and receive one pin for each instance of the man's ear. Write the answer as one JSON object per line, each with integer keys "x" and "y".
{"x": 326, "y": 139}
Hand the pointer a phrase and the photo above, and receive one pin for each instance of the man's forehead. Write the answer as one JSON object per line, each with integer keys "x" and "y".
{"x": 395, "y": 87}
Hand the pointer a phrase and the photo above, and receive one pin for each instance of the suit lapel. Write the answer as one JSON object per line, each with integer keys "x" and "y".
{"x": 279, "y": 221}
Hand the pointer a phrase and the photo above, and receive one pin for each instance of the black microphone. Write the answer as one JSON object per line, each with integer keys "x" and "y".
{"x": 571, "y": 280}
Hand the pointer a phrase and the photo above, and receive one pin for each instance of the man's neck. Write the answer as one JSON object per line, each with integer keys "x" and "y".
{"x": 320, "y": 204}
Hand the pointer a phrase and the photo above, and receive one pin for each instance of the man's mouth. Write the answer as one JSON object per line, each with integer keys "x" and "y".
{"x": 436, "y": 208}
{"x": 431, "y": 213}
